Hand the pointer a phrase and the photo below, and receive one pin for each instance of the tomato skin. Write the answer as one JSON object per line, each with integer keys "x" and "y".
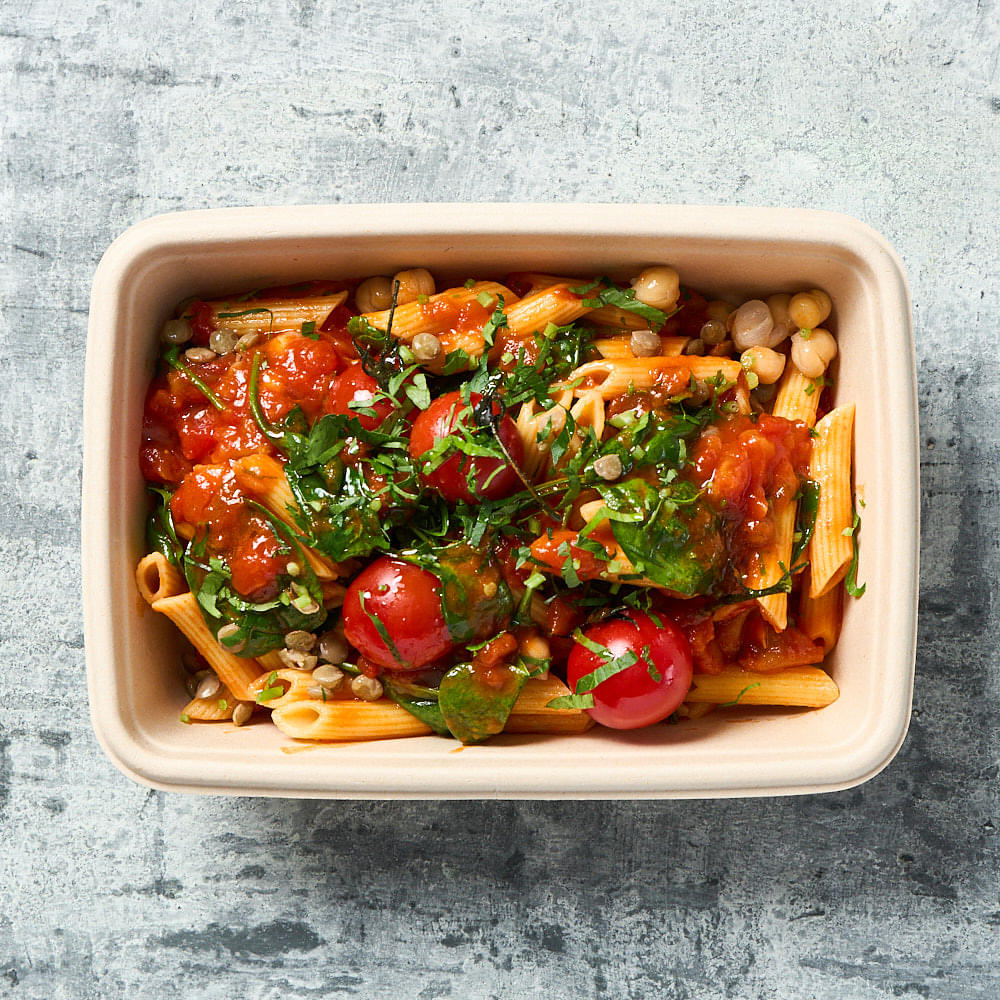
{"x": 495, "y": 478}
{"x": 631, "y": 698}
{"x": 355, "y": 385}
{"x": 406, "y": 599}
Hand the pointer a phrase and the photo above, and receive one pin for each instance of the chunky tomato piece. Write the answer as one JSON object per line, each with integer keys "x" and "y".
{"x": 492, "y": 478}
{"x": 196, "y": 431}
{"x": 765, "y": 650}
{"x": 355, "y": 389}
{"x": 211, "y": 502}
{"x": 553, "y": 549}
{"x": 650, "y": 689}
{"x": 393, "y": 617}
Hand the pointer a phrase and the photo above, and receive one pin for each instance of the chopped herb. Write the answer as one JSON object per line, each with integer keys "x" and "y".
{"x": 309, "y": 329}
{"x": 736, "y": 700}
{"x": 851, "y": 581}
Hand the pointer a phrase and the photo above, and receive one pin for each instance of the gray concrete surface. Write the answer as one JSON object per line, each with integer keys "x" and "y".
{"x": 115, "y": 111}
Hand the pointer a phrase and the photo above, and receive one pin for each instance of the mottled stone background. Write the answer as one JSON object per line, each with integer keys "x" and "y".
{"x": 115, "y": 111}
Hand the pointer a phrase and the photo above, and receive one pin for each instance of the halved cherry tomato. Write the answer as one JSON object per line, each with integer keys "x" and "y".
{"x": 650, "y": 689}
{"x": 356, "y": 386}
{"x": 392, "y": 615}
{"x": 494, "y": 478}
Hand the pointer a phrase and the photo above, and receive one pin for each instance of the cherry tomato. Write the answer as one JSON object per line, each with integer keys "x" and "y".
{"x": 395, "y": 600}
{"x": 356, "y": 386}
{"x": 633, "y": 697}
{"x": 494, "y": 478}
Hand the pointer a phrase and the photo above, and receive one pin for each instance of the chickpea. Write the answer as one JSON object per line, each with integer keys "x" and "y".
{"x": 813, "y": 353}
{"x": 808, "y": 309}
{"x": 718, "y": 310}
{"x": 659, "y": 287}
{"x": 752, "y": 325}
{"x": 766, "y": 364}
{"x": 783, "y": 326}
{"x": 374, "y": 294}
{"x": 414, "y": 283}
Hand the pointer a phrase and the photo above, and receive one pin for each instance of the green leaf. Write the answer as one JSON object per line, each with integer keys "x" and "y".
{"x": 160, "y": 533}
{"x": 806, "y": 516}
{"x": 421, "y": 703}
{"x": 476, "y": 707}
{"x": 851, "y": 581}
{"x": 673, "y": 538}
{"x": 623, "y": 298}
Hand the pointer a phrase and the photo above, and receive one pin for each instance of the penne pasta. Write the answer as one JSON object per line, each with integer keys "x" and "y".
{"x": 808, "y": 687}
{"x": 820, "y": 617}
{"x": 236, "y": 672}
{"x": 157, "y": 578}
{"x": 797, "y": 399}
{"x": 614, "y": 376}
{"x": 532, "y": 314}
{"x": 218, "y": 708}
{"x": 274, "y": 315}
{"x": 455, "y": 316}
{"x": 831, "y": 547}
{"x": 516, "y": 506}
{"x": 338, "y": 721}
{"x": 620, "y": 347}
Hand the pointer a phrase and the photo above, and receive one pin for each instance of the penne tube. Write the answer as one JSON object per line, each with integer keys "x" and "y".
{"x": 157, "y": 578}
{"x": 820, "y": 617}
{"x": 797, "y": 399}
{"x": 346, "y": 720}
{"x": 531, "y": 713}
{"x": 274, "y": 315}
{"x": 770, "y": 566}
{"x": 532, "y": 314}
{"x": 808, "y": 687}
{"x": 236, "y": 672}
{"x": 620, "y": 347}
{"x": 295, "y": 683}
{"x": 442, "y": 315}
{"x": 215, "y": 709}
{"x": 615, "y": 376}
{"x": 263, "y": 478}
{"x": 831, "y": 547}
{"x": 538, "y": 429}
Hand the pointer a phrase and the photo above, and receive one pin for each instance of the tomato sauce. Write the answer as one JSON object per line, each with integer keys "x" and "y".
{"x": 749, "y": 467}
{"x": 210, "y": 501}
{"x": 185, "y": 440}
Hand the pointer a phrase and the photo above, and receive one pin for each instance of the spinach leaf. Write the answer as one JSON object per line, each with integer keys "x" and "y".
{"x": 476, "y": 706}
{"x": 419, "y": 701}
{"x": 672, "y": 537}
{"x": 160, "y": 533}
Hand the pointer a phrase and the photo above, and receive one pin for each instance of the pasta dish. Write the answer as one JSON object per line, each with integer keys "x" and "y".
{"x": 530, "y": 506}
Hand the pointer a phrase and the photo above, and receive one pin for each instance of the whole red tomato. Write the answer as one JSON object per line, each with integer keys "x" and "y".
{"x": 492, "y": 478}
{"x": 392, "y": 615}
{"x": 649, "y": 690}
